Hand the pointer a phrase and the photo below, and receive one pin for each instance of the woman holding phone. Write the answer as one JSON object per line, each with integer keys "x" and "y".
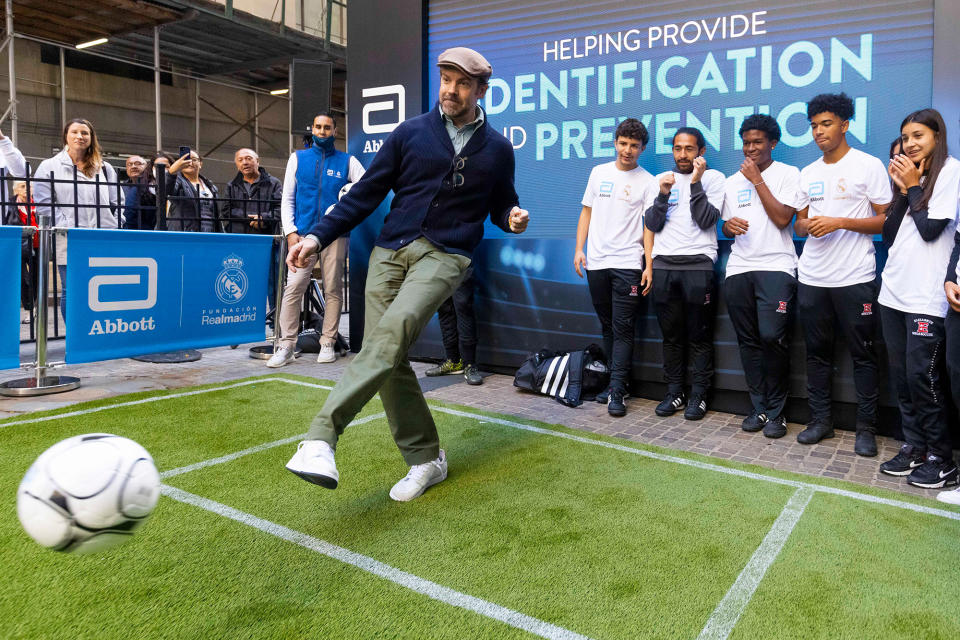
{"x": 919, "y": 232}
{"x": 193, "y": 198}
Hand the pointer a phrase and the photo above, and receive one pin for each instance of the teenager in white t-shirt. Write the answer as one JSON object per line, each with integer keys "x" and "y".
{"x": 841, "y": 205}
{"x": 681, "y": 225}
{"x": 919, "y": 231}
{"x": 611, "y": 223}
{"x": 952, "y": 325}
{"x": 758, "y": 207}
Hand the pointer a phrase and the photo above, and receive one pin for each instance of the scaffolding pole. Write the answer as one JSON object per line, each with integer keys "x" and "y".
{"x": 63, "y": 89}
{"x": 12, "y": 70}
{"x": 156, "y": 82}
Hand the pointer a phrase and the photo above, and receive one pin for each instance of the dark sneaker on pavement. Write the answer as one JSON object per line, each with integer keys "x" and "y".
{"x": 866, "y": 443}
{"x": 815, "y": 432}
{"x": 906, "y": 460}
{"x": 934, "y": 473}
{"x": 671, "y": 403}
{"x": 776, "y": 428}
{"x": 754, "y": 422}
{"x": 472, "y": 375}
{"x": 445, "y": 368}
{"x": 615, "y": 406}
{"x": 604, "y": 396}
{"x": 696, "y": 408}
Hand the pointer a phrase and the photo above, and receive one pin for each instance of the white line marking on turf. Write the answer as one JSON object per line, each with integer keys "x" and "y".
{"x": 260, "y": 447}
{"x": 81, "y": 412}
{"x": 734, "y": 603}
{"x": 408, "y": 580}
{"x": 526, "y": 427}
{"x": 710, "y": 467}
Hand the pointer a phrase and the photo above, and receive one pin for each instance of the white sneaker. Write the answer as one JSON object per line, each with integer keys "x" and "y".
{"x": 950, "y": 497}
{"x": 420, "y": 478}
{"x": 327, "y": 354}
{"x": 281, "y": 357}
{"x": 313, "y": 461}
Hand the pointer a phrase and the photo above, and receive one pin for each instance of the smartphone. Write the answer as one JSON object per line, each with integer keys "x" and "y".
{"x": 184, "y": 151}
{"x": 307, "y": 140}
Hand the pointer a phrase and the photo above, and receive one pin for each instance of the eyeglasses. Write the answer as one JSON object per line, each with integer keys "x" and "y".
{"x": 458, "y": 164}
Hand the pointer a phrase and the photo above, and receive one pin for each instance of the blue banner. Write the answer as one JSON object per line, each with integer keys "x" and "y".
{"x": 135, "y": 292}
{"x": 10, "y": 297}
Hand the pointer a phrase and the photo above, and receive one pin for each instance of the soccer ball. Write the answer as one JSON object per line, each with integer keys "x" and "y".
{"x": 88, "y": 493}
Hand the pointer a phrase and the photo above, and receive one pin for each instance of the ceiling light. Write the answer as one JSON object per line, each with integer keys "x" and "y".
{"x": 92, "y": 43}
{"x": 279, "y": 92}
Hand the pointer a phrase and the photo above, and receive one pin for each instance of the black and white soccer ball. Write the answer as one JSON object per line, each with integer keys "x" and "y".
{"x": 88, "y": 493}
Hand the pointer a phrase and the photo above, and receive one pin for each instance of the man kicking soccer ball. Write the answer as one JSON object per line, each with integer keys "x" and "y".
{"x": 448, "y": 169}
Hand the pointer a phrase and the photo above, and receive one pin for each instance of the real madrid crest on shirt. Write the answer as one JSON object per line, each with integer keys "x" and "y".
{"x": 231, "y": 284}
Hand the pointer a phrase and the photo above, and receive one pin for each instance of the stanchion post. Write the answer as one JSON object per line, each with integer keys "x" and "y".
{"x": 264, "y": 351}
{"x": 41, "y": 384}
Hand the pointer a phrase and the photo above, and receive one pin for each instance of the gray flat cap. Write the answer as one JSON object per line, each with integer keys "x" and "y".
{"x": 466, "y": 60}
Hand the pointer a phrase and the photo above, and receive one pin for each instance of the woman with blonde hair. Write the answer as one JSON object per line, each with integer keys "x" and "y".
{"x": 85, "y": 189}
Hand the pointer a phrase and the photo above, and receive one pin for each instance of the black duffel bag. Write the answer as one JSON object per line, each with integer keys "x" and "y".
{"x": 566, "y": 377}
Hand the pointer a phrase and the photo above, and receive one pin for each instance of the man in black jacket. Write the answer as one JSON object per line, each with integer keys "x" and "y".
{"x": 253, "y": 206}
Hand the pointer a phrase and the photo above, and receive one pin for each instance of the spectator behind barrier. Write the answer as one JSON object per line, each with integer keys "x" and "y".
{"x": 28, "y": 270}
{"x": 191, "y": 197}
{"x": 78, "y": 171}
{"x": 253, "y": 206}
{"x": 253, "y": 197}
{"x": 139, "y": 195}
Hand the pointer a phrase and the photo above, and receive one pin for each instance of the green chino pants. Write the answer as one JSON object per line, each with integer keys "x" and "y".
{"x": 404, "y": 289}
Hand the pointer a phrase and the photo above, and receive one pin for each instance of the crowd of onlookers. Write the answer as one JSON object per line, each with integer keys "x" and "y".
{"x": 78, "y": 188}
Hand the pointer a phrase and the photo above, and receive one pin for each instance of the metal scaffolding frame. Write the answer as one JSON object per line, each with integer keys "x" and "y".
{"x": 11, "y": 111}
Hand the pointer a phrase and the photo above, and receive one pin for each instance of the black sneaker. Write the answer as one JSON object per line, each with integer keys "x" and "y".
{"x": 906, "y": 460}
{"x": 472, "y": 375}
{"x": 815, "y": 432}
{"x": 776, "y": 428}
{"x": 865, "y": 444}
{"x": 604, "y": 396}
{"x": 696, "y": 408}
{"x": 616, "y": 407}
{"x": 754, "y": 422}
{"x": 671, "y": 403}
{"x": 934, "y": 473}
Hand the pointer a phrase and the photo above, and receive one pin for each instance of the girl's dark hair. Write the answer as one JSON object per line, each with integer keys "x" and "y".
{"x": 932, "y": 119}
{"x": 895, "y": 147}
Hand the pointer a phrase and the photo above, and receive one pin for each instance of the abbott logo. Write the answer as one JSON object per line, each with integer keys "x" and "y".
{"x": 397, "y": 103}
{"x": 93, "y": 287}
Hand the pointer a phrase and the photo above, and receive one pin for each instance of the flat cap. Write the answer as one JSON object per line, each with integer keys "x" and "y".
{"x": 466, "y": 60}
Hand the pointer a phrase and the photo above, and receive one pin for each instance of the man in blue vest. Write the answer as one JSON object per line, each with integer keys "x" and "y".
{"x": 449, "y": 170}
{"x": 312, "y": 185}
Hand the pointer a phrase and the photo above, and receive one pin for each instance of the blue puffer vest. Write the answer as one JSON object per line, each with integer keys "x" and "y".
{"x": 320, "y": 176}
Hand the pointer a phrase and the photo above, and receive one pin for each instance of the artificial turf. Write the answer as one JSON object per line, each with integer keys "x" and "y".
{"x": 603, "y": 542}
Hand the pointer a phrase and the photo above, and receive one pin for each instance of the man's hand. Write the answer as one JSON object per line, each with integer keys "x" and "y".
{"x": 822, "y": 225}
{"x": 751, "y": 171}
{"x": 699, "y": 166}
{"x": 737, "y": 226}
{"x": 667, "y": 181}
{"x": 646, "y": 280}
{"x": 299, "y": 253}
{"x": 953, "y": 295}
{"x": 579, "y": 260}
{"x": 519, "y": 218}
{"x": 293, "y": 238}
{"x": 254, "y": 220}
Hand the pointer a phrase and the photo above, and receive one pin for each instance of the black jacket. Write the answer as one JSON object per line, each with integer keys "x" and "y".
{"x": 263, "y": 200}
{"x": 183, "y": 213}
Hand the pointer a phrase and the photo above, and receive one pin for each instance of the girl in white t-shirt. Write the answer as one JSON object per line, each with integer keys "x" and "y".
{"x": 919, "y": 232}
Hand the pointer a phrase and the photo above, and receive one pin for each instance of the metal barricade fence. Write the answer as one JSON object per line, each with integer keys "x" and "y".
{"x": 161, "y": 200}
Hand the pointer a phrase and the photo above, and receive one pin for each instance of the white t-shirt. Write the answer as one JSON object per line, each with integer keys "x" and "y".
{"x": 913, "y": 275}
{"x": 764, "y": 247}
{"x": 844, "y": 189}
{"x": 680, "y": 235}
{"x": 617, "y": 200}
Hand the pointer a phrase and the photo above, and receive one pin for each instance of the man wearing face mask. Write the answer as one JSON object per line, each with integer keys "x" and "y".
{"x": 311, "y": 186}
